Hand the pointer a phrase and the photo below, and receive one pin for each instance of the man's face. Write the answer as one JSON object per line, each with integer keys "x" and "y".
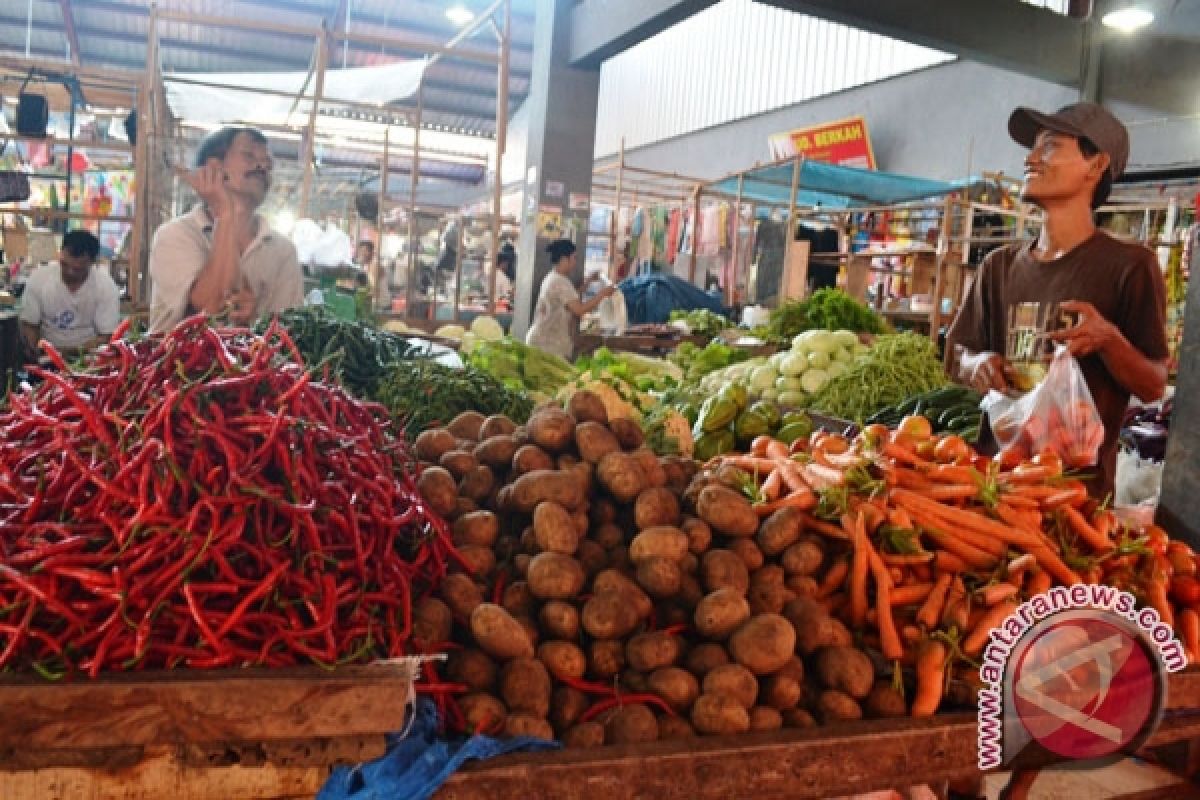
{"x": 248, "y": 166}
{"x": 366, "y": 254}
{"x": 75, "y": 268}
{"x": 1056, "y": 169}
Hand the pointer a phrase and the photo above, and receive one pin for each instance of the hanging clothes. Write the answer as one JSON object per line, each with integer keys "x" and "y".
{"x": 674, "y": 226}
{"x": 821, "y": 241}
{"x": 723, "y": 226}
{"x": 709, "y": 236}
{"x": 659, "y": 235}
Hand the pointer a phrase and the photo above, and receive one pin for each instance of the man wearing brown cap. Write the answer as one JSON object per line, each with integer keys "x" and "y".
{"x": 1113, "y": 290}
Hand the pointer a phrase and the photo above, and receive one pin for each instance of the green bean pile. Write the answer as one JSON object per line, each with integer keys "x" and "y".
{"x": 424, "y": 394}
{"x": 897, "y": 367}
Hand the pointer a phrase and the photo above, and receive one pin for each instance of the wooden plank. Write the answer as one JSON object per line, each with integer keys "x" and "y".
{"x": 192, "y": 706}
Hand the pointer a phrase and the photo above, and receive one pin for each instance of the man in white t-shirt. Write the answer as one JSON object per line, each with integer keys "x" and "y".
{"x": 68, "y": 303}
{"x": 222, "y": 256}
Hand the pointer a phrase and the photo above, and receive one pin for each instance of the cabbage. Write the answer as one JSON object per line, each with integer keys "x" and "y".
{"x": 487, "y": 329}
{"x": 468, "y": 342}
{"x": 814, "y": 380}
{"x": 819, "y": 360}
{"x": 792, "y": 399}
{"x": 821, "y": 341}
{"x": 450, "y": 332}
{"x": 794, "y": 364}
{"x": 776, "y": 359}
{"x": 770, "y": 393}
{"x": 789, "y": 384}
{"x": 836, "y": 368}
{"x": 843, "y": 355}
{"x": 846, "y": 339}
{"x": 762, "y": 378}
{"x": 860, "y": 348}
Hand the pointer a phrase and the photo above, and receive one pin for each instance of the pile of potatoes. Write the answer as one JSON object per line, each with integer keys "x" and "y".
{"x": 595, "y": 562}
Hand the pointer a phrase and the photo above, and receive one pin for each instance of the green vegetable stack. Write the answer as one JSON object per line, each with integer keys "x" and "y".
{"x": 895, "y": 368}
{"x": 728, "y": 421}
{"x": 519, "y": 366}
{"x": 424, "y": 394}
{"x": 697, "y": 362}
{"x": 826, "y": 309}
{"x": 952, "y": 409}
{"x": 702, "y": 322}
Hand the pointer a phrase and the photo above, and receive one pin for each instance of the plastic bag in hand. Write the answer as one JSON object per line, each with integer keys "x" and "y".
{"x": 1058, "y": 415}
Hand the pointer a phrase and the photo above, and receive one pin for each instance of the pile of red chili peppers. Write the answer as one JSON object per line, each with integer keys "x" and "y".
{"x": 196, "y": 499}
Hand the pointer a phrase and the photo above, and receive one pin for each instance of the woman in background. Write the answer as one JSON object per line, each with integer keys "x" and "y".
{"x": 558, "y": 306}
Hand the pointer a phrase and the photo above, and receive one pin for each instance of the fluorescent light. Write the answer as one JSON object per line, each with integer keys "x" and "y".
{"x": 459, "y": 15}
{"x": 1128, "y": 20}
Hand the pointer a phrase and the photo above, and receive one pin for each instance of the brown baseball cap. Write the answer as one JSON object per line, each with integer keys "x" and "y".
{"x": 1081, "y": 120}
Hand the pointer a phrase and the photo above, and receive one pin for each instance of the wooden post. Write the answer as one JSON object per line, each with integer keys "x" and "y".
{"x": 614, "y": 235}
{"x": 737, "y": 228}
{"x": 141, "y": 160}
{"x": 939, "y": 274}
{"x": 501, "y": 143}
{"x": 310, "y": 136}
{"x": 695, "y": 234}
{"x": 384, "y": 169}
{"x": 413, "y": 260}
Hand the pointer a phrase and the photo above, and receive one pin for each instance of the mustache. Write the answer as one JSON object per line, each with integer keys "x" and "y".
{"x": 260, "y": 173}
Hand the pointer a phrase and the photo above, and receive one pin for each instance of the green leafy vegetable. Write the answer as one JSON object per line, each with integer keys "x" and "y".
{"x": 702, "y": 322}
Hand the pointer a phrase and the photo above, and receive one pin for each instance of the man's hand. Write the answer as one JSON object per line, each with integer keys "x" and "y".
{"x": 208, "y": 182}
{"x": 983, "y": 371}
{"x": 242, "y": 304}
{"x": 1093, "y": 334}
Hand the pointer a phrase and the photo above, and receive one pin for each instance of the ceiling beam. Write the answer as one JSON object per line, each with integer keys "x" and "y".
{"x": 600, "y": 29}
{"x": 1004, "y": 33}
{"x": 69, "y": 25}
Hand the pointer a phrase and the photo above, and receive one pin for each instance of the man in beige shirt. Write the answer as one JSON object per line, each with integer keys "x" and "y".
{"x": 222, "y": 256}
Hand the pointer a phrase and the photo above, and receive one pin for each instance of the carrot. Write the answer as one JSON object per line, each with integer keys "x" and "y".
{"x": 1189, "y": 630}
{"x": 949, "y": 563}
{"x": 776, "y": 449}
{"x": 772, "y": 486}
{"x": 1020, "y": 565}
{"x": 889, "y": 640}
{"x": 954, "y": 613}
{"x": 922, "y": 573}
{"x": 952, "y": 473}
{"x": 1105, "y": 522}
{"x": 1074, "y": 495}
{"x": 1085, "y": 531}
{"x": 820, "y": 477}
{"x": 835, "y": 603}
{"x": 1030, "y": 473}
{"x": 931, "y": 609}
{"x": 823, "y": 527}
{"x": 804, "y": 500}
{"x": 952, "y": 491}
{"x": 1039, "y": 583}
{"x": 899, "y": 518}
{"x": 858, "y": 568}
{"x": 997, "y": 592}
{"x": 992, "y": 618}
{"x": 1021, "y": 502}
{"x": 972, "y": 557}
{"x": 1010, "y": 515}
{"x": 896, "y": 574}
{"x": 906, "y": 559}
{"x": 789, "y": 471}
{"x": 903, "y": 455}
{"x": 911, "y": 634}
{"x": 961, "y": 518}
{"x": 912, "y": 480}
{"x": 873, "y": 515}
{"x": 1054, "y": 565}
{"x": 751, "y": 464}
{"x": 911, "y": 594}
{"x": 758, "y": 447}
{"x": 931, "y": 524}
{"x": 931, "y": 675}
{"x": 1155, "y": 592}
{"x": 834, "y": 578}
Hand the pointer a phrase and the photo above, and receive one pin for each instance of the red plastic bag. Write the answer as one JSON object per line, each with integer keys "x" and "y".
{"x": 1058, "y": 415}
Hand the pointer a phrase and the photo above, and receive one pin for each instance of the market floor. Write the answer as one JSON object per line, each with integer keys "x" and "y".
{"x": 1131, "y": 778}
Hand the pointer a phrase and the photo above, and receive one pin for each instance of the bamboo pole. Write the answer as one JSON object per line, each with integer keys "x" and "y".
{"x": 614, "y": 235}
{"x": 385, "y": 168}
{"x": 310, "y": 136}
{"x": 695, "y": 234}
{"x": 141, "y": 163}
{"x": 935, "y": 315}
{"x": 413, "y": 260}
{"x": 501, "y": 143}
{"x": 733, "y": 262}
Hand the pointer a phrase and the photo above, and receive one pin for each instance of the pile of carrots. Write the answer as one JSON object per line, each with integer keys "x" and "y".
{"x": 936, "y": 545}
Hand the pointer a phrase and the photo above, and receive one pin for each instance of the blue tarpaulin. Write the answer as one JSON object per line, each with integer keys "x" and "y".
{"x": 651, "y": 298}
{"x": 832, "y": 186}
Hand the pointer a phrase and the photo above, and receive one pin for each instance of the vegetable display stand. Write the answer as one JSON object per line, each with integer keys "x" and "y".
{"x": 834, "y": 761}
{"x": 255, "y": 734}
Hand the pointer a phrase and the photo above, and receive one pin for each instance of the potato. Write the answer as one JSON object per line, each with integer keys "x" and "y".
{"x": 521, "y": 435}
{"x": 748, "y": 552}
{"x": 660, "y": 577}
{"x": 458, "y": 462}
{"x": 803, "y": 558}
{"x": 722, "y": 569}
{"x": 581, "y": 523}
{"x": 496, "y": 425}
{"x": 562, "y": 659}
{"x": 585, "y": 473}
{"x": 464, "y": 505}
{"x": 671, "y": 614}
{"x": 632, "y": 724}
{"x": 591, "y": 557}
{"x": 832, "y": 706}
{"x": 521, "y": 563}
{"x": 477, "y": 484}
{"x": 531, "y": 628}
{"x": 802, "y": 586}
{"x": 566, "y": 462}
{"x": 798, "y": 718}
{"x": 719, "y": 714}
{"x": 656, "y": 476}
{"x": 846, "y": 669}
{"x": 622, "y": 476}
{"x": 517, "y": 599}
{"x": 608, "y": 615}
{"x": 780, "y": 531}
{"x": 497, "y": 452}
{"x": 438, "y": 488}
{"x": 608, "y": 535}
{"x": 678, "y": 687}
{"x": 530, "y": 458}
{"x": 559, "y": 620}
{"x": 461, "y": 594}
{"x": 768, "y": 575}
{"x": 525, "y": 686}
{"x": 594, "y": 441}
{"x": 612, "y": 581}
{"x": 606, "y": 658}
{"x": 432, "y": 621}
{"x": 587, "y": 406}
{"x": 466, "y": 425}
{"x": 704, "y": 658}
{"x": 482, "y": 711}
{"x": 498, "y": 634}
{"x": 628, "y": 433}
{"x": 481, "y": 559}
{"x": 814, "y": 627}
{"x": 764, "y": 718}
{"x": 554, "y": 576}
{"x": 554, "y": 530}
{"x": 431, "y": 444}
{"x": 472, "y": 668}
{"x": 769, "y": 598}
{"x": 541, "y": 485}
{"x": 477, "y": 527}
{"x": 699, "y": 535}
{"x": 585, "y": 734}
{"x": 763, "y": 644}
{"x": 689, "y": 563}
{"x": 567, "y": 704}
{"x": 785, "y": 688}
{"x": 727, "y": 511}
{"x": 504, "y": 498}
{"x": 656, "y": 507}
{"x": 691, "y": 495}
{"x": 505, "y": 548}
{"x": 885, "y": 701}
{"x": 647, "y": 652}
{"x": 690, "y": 591}
{"x": 664, "y": 542}
{"x": 732, "y": 680}
{"x": 677, "y": 479}
{"x": 528, "y": 725}
{"x": 720, "y": 613}
{"x": 674, "y": 728}
{"x": 618, "y": 559}
{"x": 603, "y": 512}
{"x": 551, "y": 429}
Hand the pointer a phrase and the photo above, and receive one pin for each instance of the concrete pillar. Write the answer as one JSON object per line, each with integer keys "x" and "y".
{"x": 558, "y": 163}
{"x": 1179, "y": 505}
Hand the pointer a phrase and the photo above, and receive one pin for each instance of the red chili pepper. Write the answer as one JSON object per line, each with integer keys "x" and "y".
{"x": 598, "y": 708}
